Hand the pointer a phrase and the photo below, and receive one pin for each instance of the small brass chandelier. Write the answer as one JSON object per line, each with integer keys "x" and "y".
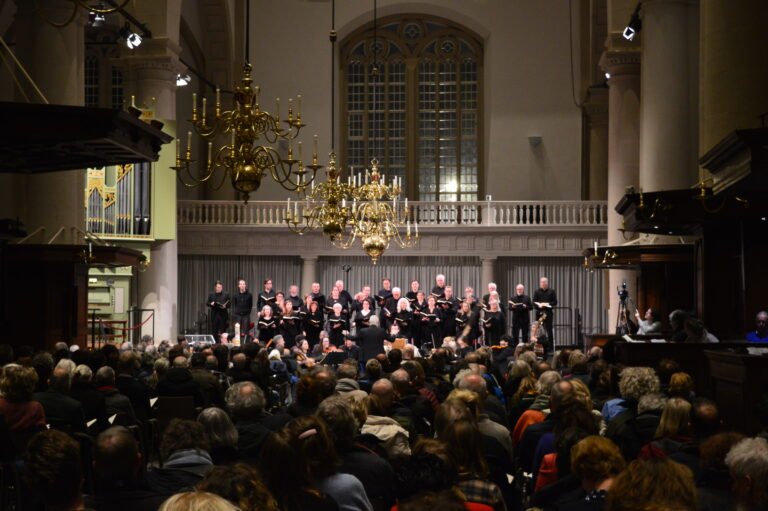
{"x": 248, "y": 157}
{"x": 379, "y": 217}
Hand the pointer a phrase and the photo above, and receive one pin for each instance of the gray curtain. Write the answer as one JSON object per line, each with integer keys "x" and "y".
{"x": 459, "y": 272}
{"x": 197, "y": 274}
{"x": 577, "y": 290}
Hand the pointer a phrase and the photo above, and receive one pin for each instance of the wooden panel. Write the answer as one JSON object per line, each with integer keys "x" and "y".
{"x": 738, "y": 382}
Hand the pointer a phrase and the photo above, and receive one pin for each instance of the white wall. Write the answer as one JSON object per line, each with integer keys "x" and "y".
{"x": 527, "y": 81}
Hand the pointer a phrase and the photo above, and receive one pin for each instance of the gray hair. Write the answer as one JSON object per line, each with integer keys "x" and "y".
{"x": 68, "y": 366}
{"x": 520, "y": 369}
{"x": 474, "y": 383}
{"x": 547, "y": 380}
{"x": 104, "y": 376}
{"x": 651, "y": 402}
{"x": 529, "y": 357}
{"x": 161, "y": 365}
{"x": 83, "y": 373}
{"x": 749, "y": 458}
{"x": 374, "y": 321}
{"x": 218, "y": 427}
{"x": 635, "y": 382}
{"x": 245, "y": 400}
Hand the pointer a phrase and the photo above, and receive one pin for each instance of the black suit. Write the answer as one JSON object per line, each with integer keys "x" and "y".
{"x": 521, "y": 317}
{"x": 371, "y": 342}
{"x": 546, "y": 296}
{"x": 61, "y": 411}
{"x": 242, "y": 303}
{"x": 137, "y": 391}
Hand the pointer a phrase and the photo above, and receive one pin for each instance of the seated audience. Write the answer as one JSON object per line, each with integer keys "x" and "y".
{"x": 22, "y": 415}
{"x": 241, "y": 485}
{"x": 119, "y": 467}
{"x": 760, "y": 333}
{"x": 61, "y": 411}
{"x": 747, "y": 462}
{"x": 184, "y": 452}
{"x": 222, "y": 435}
{"x": 53, "y": 472}
{"x": 197, "y": 501}
{"x": 653, "y": 484}
{"x": 115, "y": 403}
{"x": 245, "y": 404}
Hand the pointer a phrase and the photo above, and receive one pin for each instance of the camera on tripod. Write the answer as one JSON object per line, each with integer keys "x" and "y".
{"x": 623, "y": 293}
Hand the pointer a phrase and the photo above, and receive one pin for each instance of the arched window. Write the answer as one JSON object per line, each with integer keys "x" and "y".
{"x": 421, "y": 116}
{"x": 103, "y": 77}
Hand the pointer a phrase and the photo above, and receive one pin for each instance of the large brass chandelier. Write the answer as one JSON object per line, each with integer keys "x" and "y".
{"x": 252, "y": 132}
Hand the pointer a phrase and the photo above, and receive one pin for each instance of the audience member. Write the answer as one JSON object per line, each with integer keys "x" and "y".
{"x": 241, "y": 485}
{"x": 184, "y": 452}
{"x": 53, "y": 472}
{"x": 747, "y": 462}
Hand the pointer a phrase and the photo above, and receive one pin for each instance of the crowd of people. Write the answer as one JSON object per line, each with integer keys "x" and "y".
{"x": 257, "y": 427}
{"x": 418, "y": 316}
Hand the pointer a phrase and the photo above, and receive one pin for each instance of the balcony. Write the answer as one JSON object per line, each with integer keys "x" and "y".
{"x": 486, "y": 229}
{"x": 506, "y": 214}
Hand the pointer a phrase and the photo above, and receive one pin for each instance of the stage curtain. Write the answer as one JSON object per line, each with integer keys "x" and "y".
{"x": 575, "y": 287}
{"x": 197, "y": 274}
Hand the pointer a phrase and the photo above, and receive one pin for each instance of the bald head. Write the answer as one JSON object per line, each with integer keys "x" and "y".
{"x": 384, "y": 390}
{"x": 475, "y": 383}
{"x": 116, "y": 455}
{"x": 181, "y": 361}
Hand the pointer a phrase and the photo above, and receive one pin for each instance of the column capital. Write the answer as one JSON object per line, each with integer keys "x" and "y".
{"x": 310, "y": 259}
{"x": 488, "y": 259}
{"x": 621, "y": 62}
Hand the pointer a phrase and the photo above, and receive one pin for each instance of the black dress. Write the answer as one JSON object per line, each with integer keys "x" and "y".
{"x": 403, "y": 321}
{"x": 290, "y": 326}
{"x": 362, "y": 320}
{"x": 449, "y": 307}
{"x": 267, "y": 329}
{"x": 431, "y": 324}
{"x": 493, "y": 325}
{"x": 416, "y": 327}
{"x": 219, "y": 304}
{"x": 313, "y": 325}
{"x": 462, "y": 320}
{"x": 336, "y": 324}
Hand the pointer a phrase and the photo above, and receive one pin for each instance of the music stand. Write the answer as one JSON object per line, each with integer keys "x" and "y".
{"x": 334, "y": 358}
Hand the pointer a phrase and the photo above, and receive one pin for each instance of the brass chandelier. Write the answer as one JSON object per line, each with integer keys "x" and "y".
{"x": 248, "y": 156}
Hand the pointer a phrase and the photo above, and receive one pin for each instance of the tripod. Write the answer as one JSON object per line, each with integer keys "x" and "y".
{"x": 622, "y": 316}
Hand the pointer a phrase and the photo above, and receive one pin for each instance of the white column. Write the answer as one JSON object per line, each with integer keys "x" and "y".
{"x": 308, "y": 273}
{"x": 54, "y": 58}
{"x": 670, "y": 90}
{"x": 159, "y": 290}
{"x": 623, "y": 154}
{"x": 597, "y": 117}
{"x": 486, "y": 274}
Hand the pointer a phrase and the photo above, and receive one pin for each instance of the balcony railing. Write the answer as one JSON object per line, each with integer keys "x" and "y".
{"x": 428, "y": 214}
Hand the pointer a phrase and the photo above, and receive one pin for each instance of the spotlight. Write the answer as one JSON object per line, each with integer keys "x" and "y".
{"x": 132, "y": 39}
{"x": 182, "y": 80}
{"x": 635, "y": 24}
{"x": 607, "y": 76}
{"x": 96, "y": 19}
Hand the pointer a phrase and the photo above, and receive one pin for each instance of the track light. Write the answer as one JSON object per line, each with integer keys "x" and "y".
{"x": 635, "y": 24}
{"x": 96, "y": 19}
{"x": 182, "y": 80}
{"x": 132, "y": 39}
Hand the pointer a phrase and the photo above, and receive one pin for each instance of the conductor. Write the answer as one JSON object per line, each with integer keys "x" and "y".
{"x": 219, "y": 303}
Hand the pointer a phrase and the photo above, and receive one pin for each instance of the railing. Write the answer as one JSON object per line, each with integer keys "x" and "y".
{"x": 428, "y": 214}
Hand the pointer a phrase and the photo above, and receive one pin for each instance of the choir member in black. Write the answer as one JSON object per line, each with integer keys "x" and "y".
{"x": 267, "y": 296}
{"x": 469, "y": 297}
{"x": 279, "y": 305}
{"x": 439, "y": 290}
{"x": 268, "y": 324}
{"x": 333, "y": 300}
{"x": 431, "y": 323}
{"x": 294, "y": 297}
{"x": 344, "y": 294}
{"x": 242, "y": 303}
{"x": 219, "y": 303}
{"x": 544, "y": 299}
{"x": 403, "y": 318}
{"x": 384, "y": 293}
{"x": 467, "y": 322}
{"x": 520, "y": 305}
{"x": 487, "y": 297}
{"x": 411, "y": 295}
{"x": 317, "y": 296}
{"x": 493, "y": 323}
{"x": 313, "y": 322}
{"x": 416, "y": 307}
{"x": 362, "y": 316}
{"x": 449, "y": 306}
{"x": 290, "y": 325}
{"x": 369, "y": 298}
{"x": 389, "y": 309}
{"x": 336, "y": 325}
